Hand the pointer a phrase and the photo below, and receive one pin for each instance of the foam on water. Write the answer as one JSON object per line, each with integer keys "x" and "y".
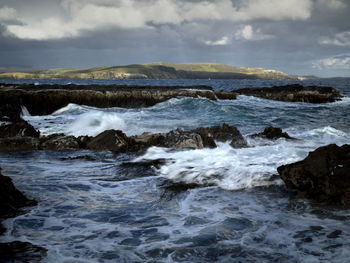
{"x": 95, "y": 122}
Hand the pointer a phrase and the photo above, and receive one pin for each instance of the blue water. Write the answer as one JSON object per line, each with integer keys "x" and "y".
{"x": 112, "y": 209}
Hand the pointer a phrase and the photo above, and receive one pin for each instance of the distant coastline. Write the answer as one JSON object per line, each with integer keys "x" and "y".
{"x": 157, "y": 70}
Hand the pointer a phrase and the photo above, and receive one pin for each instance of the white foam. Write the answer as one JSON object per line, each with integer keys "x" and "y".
{"x": 25, "y": 112}
{"x": 226, "y": 167}
{"x": 94, "y": 122}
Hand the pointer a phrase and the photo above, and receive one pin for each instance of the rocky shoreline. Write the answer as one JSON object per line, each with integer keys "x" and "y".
{"x": 319, "y": 177}
{"x": 45, "y": 99}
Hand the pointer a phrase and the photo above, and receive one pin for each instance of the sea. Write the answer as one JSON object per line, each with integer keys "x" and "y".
{"x": 204, "y": 205}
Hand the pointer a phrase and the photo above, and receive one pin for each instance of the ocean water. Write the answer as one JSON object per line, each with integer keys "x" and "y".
{"x": 116, "y": 208}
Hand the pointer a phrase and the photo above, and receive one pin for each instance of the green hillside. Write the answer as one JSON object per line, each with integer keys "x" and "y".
{"x": 158, "y": 70}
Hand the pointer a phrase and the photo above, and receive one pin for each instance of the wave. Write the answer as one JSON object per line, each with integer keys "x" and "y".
{"x": 94, "y": 122}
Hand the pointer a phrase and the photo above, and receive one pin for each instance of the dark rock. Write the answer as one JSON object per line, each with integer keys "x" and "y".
{"x": 335, "y": 234}
{"x": 324, "y": 175}
{"x": 176, "y": 139}
{"x": 222, "y": 134}
{"x": 272, "y": 134}
{"x": 45, "y": 99}
{"x": 10, "y": 198}
{"x": 113, "y": 140}
{"x": 20, "y": 128}
{"x": 14, "y": 144}
{"x": 18, "y": 251}
{"x": 80, "y": 157}
{"x": 294, "y": 93}
{"x": 58, "y": 142}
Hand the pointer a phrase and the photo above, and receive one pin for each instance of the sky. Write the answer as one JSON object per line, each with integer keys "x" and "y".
{"x": 300, "y": 37}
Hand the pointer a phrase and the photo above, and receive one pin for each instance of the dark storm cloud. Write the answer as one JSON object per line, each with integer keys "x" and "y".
{"x": 295, "y": 36}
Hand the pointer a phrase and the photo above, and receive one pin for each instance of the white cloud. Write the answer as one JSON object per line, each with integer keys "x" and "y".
{"x": 248, "y": 33}
{"x": 341, "y": 39}
{"x": 7, "y": 14}
{"x": 221, "y": 42}
{"x": 93, "y": 15}
{"x": 336, "y": 62}
{"x": 332, "y": 4}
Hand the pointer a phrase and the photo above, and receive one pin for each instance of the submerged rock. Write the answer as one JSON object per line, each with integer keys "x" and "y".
{"x": 272, "y": 134}
{"x": 294, "y": 93}
{"x": 20, "y": 128}
{"x": 324, "y": 175}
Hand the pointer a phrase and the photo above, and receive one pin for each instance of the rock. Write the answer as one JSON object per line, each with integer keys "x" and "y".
{"x": 80, "y": 157}
{"x": 294, "y": 93}
{"x": 18, "y": 251}
{"x": 176, "y": 139}
{"x": 58, "y": 142}
{"x": 324, "y": 175}
{"x": 113, "y": 140}
{"x": 15, "y": 144}
{"x": 272, "y": 134}
{"x": 222, "y": 134}
{"x": 45, "y": 99}
{"x": 10, "y": 198}
{"x": 20, "y": 128}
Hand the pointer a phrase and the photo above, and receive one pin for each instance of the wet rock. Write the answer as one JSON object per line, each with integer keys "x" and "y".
{"x": 272, "y": 133}
{"x": 294, "y": 93}
{"x": 20, "y": 128}
{"x": 15, "y": 144}
{"x": 10, "y": 198}
{"x": 18, "y": 251}
{"x": 45, "y": 99}
{"x": 176, "y": 139}
{"x": 335, "y": 234}
{"x": 80, "y": 157}
{"x": 113, "y": 140}
{"x": 222, "y": 134}
{"x": 58, "y": 142}
{"x": 322, "y": 176}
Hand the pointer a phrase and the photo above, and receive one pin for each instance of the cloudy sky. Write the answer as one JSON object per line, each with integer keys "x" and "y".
{"x": 295, "y": 36}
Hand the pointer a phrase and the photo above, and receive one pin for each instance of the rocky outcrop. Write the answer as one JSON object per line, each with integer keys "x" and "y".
{"x": 294, "y": 93}
{"x": 20, "y": 128}
{"x": 222, "y": 134}
{"x": 113, "y": 140}
{"x": 58, "y": 142}
{"x": 324, "y": 175}
{"x": 45, "y": 99}
{"x": 18, "y": 251}
{"x": 11, "y": 200}
{"x": 272, "y": 133}
{"x": 16, "y": 144}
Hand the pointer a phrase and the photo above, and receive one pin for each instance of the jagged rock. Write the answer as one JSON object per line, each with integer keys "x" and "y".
{"x": 18, "y": 251}
{"x": 58, "y": 142}
{"x": 113, "y": 140}
{"x": 45, "y": 99}
{"x": 10, "y": 198}
{"x": 20, "y": 128}
{"x": 15, "y": 144}
{"x": 272, "y": 134}
{"x": 222, "y": 134}
{"x": 324, "y": 175}
{"x": 178, "y": 139}
{"x": 294, "y": 93}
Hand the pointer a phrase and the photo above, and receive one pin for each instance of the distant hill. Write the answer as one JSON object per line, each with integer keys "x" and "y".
{"x": 157, "y": 70}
